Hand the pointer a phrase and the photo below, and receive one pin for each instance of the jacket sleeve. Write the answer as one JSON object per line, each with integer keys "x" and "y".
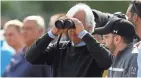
{"x": 37, "y": 53}
{"x": 139, "y": 62}
{"x": 132, "y": 68}
{"x": 101, "y": 55}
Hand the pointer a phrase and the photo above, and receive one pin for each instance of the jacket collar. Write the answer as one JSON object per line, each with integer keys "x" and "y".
{"x": 129, "y": 46}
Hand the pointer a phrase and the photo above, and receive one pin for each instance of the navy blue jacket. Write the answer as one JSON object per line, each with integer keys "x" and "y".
{"x": 19, "y": 67}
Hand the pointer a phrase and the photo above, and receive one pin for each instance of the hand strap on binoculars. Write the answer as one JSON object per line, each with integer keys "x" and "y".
{"x": 59, "y": 40}
{"x": 55, "y": 65}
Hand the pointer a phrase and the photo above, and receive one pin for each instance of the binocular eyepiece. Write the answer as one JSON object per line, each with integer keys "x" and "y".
{"x": 62, "y": 24}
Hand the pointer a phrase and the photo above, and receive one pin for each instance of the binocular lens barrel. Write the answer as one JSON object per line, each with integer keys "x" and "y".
{"x": 59, "y": 24}
{"x": 62, "y": 24}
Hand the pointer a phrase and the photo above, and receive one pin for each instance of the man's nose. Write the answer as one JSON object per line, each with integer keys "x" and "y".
{"x": 24, "y": 31}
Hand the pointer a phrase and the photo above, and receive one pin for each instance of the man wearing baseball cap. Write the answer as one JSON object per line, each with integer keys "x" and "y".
{"x": 118, "y": 35}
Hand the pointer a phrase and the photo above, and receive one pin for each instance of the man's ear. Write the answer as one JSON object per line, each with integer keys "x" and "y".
{"x": 117, "y": 39}
{"x": 40, "y": 32}
{"x": 135, "y": 18}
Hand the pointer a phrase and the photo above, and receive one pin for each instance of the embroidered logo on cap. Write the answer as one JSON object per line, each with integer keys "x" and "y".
{"x": 115, "y": 31}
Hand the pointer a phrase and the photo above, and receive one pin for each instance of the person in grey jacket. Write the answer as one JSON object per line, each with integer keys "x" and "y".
{"x": 118, "y": 35}
{"x": 134, "y": 15}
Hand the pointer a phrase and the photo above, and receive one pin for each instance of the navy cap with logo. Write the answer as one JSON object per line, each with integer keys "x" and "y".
{"x": 118, "y": 26}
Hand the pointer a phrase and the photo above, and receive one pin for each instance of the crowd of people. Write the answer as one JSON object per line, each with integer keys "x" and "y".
{"x": 83, "y": 42}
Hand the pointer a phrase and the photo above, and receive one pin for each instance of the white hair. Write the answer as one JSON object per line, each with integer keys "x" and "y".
{"x": 38, "y": 19}
{"x": 89, "y": 17}
{"x": 14, "y": 22}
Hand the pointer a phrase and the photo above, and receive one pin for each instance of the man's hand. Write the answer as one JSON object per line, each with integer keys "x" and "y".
{"x": 57, "y": 31}
{"x": 78, "y": 25}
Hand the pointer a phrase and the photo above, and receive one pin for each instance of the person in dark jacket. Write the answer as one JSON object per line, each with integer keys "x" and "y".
{"x": 118, "y": 35}
{"x": 83, "y": 56}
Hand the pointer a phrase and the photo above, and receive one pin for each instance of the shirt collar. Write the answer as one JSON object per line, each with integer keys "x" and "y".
{"x": 23, "y": 49}
{"x": 82, "y": 43}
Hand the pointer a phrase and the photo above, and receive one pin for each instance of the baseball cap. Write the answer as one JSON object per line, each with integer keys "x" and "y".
{"x": 118, "y": 26}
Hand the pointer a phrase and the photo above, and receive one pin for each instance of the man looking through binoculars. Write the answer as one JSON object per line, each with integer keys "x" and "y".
{"x": 83, "y": 56}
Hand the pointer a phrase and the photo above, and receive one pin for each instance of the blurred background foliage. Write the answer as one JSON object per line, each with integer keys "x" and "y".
{"x": 21, "y": 9}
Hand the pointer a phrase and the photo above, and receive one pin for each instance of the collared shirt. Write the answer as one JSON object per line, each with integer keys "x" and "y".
{"x": 22, "y": 49}
{"x": 82, "y": 43}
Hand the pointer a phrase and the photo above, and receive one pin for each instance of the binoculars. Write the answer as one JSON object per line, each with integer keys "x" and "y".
{"x": 63, "y": 24}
